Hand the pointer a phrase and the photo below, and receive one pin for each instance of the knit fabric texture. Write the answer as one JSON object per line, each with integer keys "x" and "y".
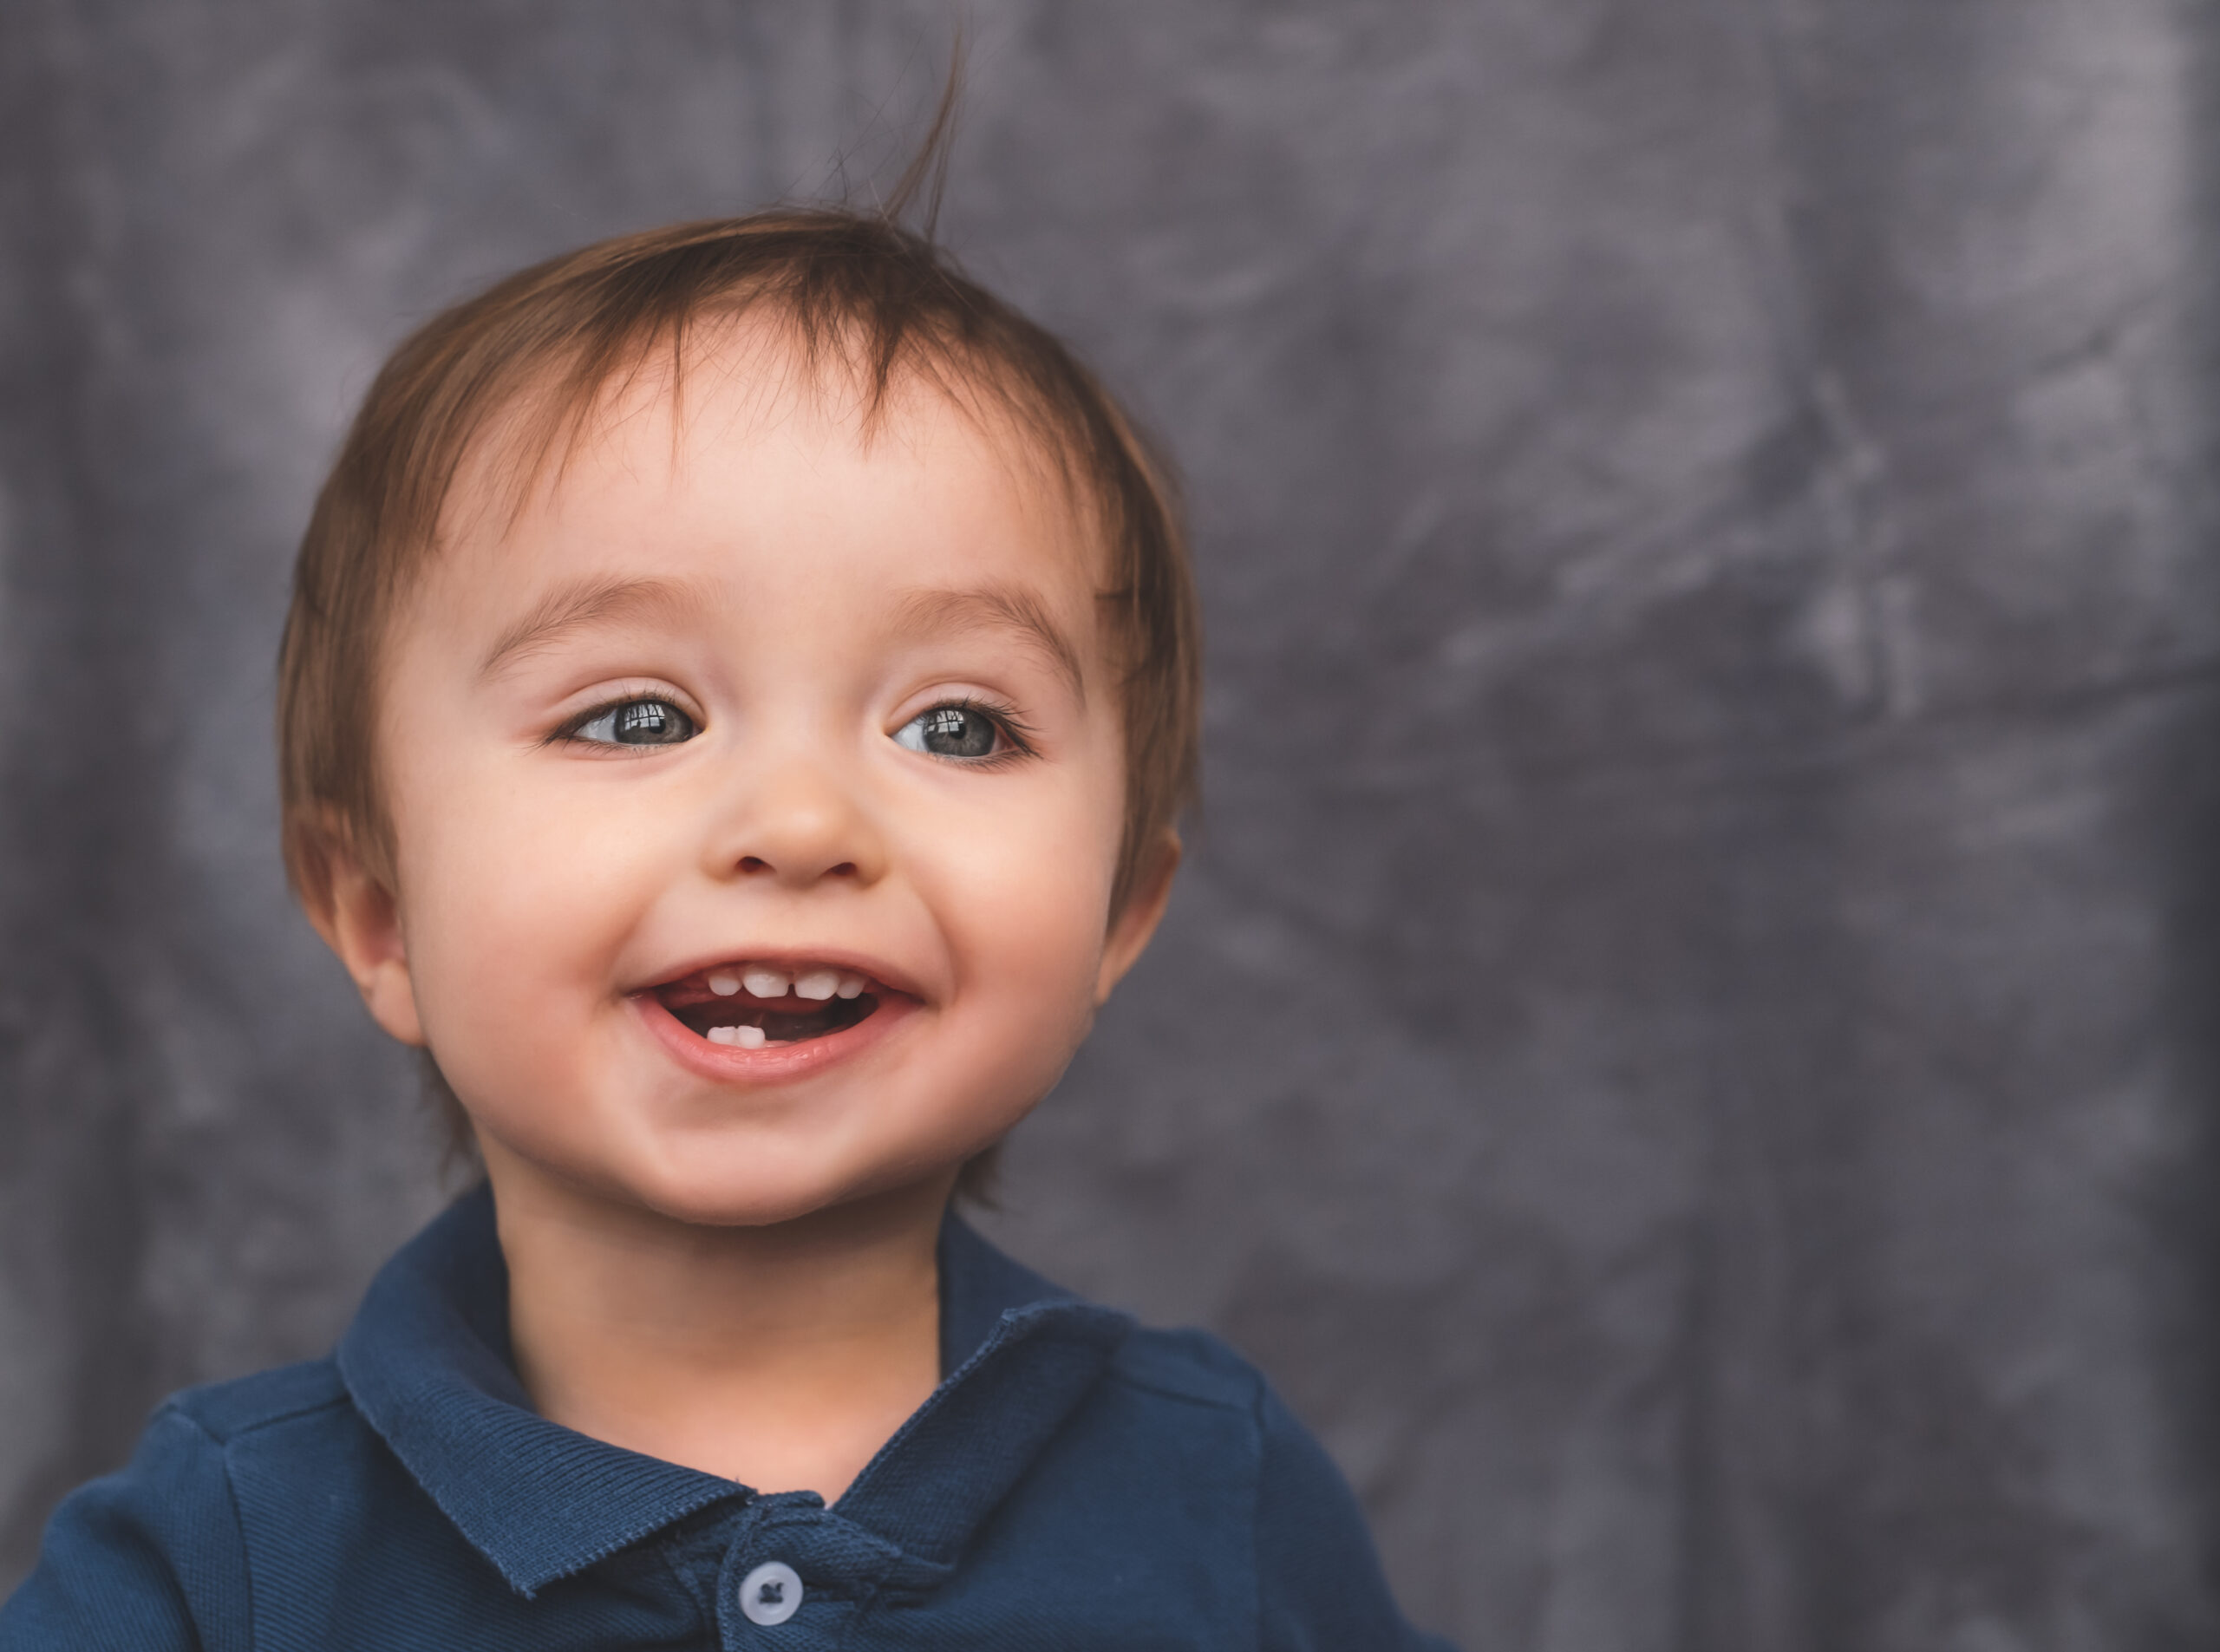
{"x": 1073, "y": 1482}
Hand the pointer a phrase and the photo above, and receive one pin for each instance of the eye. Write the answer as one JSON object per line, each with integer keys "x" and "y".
{"x": 634, "y": 722}
{"x": 954, "y": 731}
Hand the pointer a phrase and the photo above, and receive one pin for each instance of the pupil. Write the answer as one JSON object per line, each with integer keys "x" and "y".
{"x": 647, "y": 722}
{"x": 951, "y": 731}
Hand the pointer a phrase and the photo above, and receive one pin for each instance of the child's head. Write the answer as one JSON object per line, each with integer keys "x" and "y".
{"x": 709, "y": 622}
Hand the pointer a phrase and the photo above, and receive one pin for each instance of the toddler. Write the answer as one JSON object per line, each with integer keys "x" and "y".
{"x": 740, "y": 687}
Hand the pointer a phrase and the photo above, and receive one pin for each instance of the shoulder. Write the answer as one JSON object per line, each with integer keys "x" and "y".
{"x": 1195, "y": 1369}
{"x": 1191, "y": 1366}
{"x": 1318, "y": 1579}
{"x": 227, "y": 1411}
{"x": 147, "y": 1557}
{"x": 154, "y": 1555}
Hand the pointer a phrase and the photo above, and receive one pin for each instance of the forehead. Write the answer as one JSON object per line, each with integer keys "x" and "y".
{"x": 748, "y": 436}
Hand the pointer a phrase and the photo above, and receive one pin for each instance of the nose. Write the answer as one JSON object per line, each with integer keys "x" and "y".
{"x": 797, "y": 822}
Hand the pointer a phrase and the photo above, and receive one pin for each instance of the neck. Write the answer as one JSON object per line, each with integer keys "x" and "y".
{"x": 780, "y": 1356}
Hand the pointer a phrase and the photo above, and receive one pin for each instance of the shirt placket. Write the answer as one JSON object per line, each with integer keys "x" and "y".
{"x": 793, "y": 1577}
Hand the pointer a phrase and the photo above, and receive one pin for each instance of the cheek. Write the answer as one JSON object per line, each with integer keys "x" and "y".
{"x": 512, "y": 913}
{"x": 1025, "y": 902}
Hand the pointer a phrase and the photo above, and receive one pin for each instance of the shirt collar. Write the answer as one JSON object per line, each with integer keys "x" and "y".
{"x": 428, "y": 1365}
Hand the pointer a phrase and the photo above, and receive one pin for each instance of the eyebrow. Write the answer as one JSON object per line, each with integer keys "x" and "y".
{"x": 1009, "y": 609}
{"x": 584, "y": 603}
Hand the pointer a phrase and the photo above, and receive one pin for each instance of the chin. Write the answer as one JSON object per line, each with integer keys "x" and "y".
{"x": 701, "y": 1197}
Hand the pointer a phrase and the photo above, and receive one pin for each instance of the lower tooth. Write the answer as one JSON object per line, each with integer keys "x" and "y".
{"x": 719, "y": 1034}
{"x": 748, "y": 1037}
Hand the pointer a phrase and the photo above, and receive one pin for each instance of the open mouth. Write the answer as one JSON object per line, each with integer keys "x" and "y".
{"x": 763, "y": 1006}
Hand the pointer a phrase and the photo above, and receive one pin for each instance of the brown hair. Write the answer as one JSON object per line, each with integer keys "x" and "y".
{"x": 854, "y": 289}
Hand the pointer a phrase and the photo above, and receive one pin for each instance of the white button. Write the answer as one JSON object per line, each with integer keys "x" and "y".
{"x": 771, "y": 1594}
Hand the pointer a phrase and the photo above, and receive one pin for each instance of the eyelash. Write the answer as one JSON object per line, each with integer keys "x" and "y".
{"x": 565, "y": 732}
{"x": 1015, "y": 730}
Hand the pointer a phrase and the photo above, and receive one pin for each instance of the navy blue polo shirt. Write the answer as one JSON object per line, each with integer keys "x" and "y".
{"x": 1073, "y": 1482}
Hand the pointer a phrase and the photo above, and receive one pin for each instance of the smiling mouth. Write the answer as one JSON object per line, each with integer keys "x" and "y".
{"x": 763, "y": 1006}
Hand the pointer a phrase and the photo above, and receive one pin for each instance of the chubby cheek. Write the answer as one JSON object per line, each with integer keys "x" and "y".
{"x": 1023, "y": 916}
{"x": 511, "y": 915}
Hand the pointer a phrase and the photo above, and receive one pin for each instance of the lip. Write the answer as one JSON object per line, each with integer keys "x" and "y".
{"x": 779, "y": 1064}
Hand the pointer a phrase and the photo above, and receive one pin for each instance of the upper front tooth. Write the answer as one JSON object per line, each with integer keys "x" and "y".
{"x": 818, "y": 983}
{"x": 766, "y": 983}
{"x": 851, "y": 985}
{"x": 723, "y": 982}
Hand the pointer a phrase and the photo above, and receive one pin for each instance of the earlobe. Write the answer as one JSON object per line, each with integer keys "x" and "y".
{"x": 1131, "y": 930}
{"x": 356, "y": 913}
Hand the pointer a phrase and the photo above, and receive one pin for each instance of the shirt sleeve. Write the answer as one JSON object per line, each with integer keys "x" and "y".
{"x": 149, "y": 1559}
{"x": 1318, "y": 1576}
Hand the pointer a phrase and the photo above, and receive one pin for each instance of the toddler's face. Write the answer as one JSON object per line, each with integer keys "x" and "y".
{"x": 755, "y": 795}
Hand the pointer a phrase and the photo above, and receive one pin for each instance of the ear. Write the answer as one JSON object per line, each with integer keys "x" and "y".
{"x": 354, "y": 912}
{"x": 1131, "y": 930}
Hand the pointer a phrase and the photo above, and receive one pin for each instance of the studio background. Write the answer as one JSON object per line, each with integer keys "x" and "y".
{"x": 1686, "y": 1042}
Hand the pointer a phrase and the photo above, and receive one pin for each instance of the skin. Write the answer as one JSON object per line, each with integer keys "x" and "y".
{"x": 726, "y": 1258}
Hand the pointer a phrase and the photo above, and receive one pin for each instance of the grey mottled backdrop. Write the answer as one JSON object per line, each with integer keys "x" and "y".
{"x": 1690, "y": 1043}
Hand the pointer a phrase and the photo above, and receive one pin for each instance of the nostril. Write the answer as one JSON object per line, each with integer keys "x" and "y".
{"x": 751, "y": 864}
